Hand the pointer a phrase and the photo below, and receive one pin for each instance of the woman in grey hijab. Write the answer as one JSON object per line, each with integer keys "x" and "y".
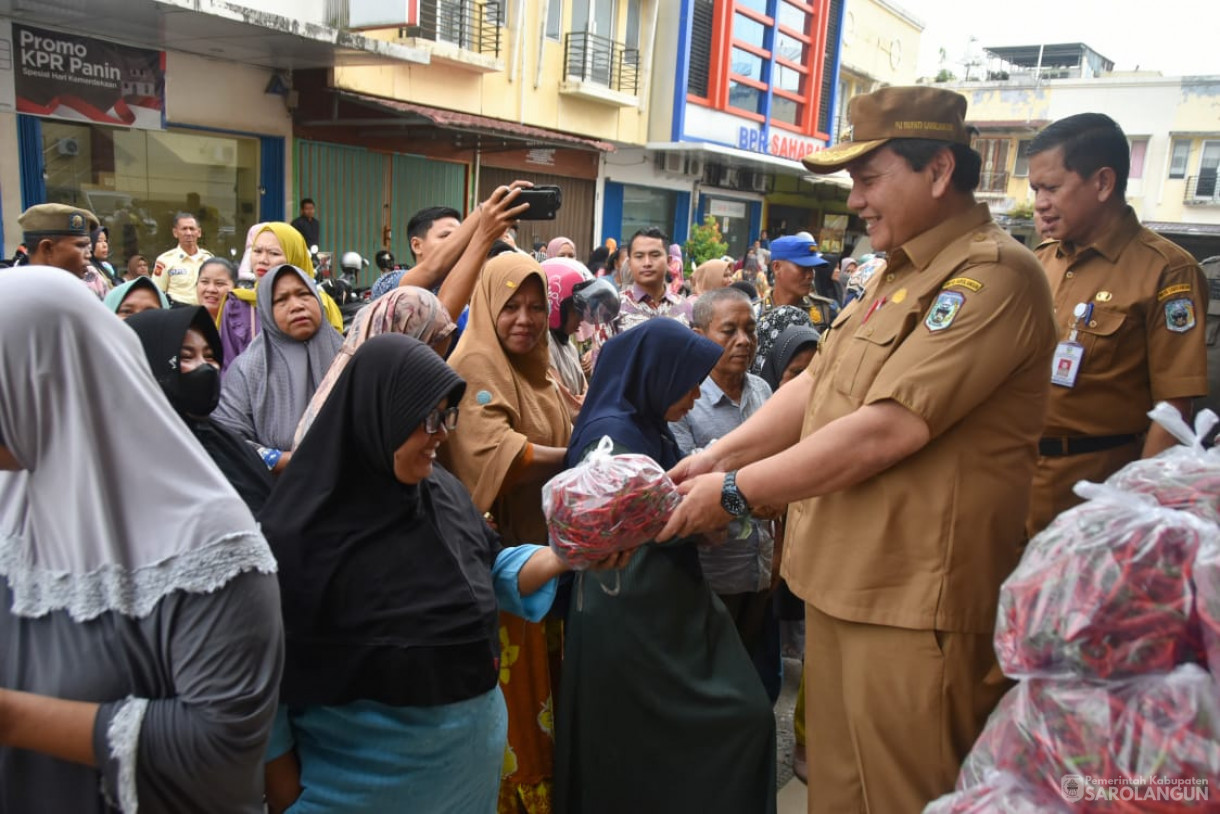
{"x": 140, "y": 635}
{"x": 267, "y": 389}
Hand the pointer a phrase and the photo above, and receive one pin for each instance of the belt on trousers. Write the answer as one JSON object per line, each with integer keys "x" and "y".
{"x": 1059, "y": 447}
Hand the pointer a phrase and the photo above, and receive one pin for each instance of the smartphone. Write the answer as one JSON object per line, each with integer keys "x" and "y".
{"x": 544, "y": 202}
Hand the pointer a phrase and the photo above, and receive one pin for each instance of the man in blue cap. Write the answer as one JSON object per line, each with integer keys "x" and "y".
{"x": 793, "y": 260}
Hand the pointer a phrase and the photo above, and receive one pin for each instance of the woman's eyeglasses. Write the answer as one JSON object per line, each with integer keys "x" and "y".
{"x": 434, "y": 419}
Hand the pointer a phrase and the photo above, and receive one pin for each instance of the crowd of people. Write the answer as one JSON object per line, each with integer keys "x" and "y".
{"x": 254, "y": 562}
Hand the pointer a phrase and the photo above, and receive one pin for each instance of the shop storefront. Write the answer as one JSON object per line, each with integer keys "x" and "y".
{"x": 138, "y": 135}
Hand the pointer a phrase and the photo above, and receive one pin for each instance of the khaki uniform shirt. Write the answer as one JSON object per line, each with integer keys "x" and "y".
{"x": 177, "y": 272}
{"x": 1145, "y": 340}
{"x": 959, "y": 330}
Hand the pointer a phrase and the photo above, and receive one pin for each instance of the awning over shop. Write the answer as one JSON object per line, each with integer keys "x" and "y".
{"x": 520, "y": 134}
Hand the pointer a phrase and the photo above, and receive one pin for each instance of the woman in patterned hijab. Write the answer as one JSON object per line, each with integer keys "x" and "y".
{"x": 406, "y": 310}
{"x": 771, "y": 325}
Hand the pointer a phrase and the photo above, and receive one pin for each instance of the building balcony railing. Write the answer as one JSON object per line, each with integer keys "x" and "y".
{"x": 601, "y": 61}
{"x": 993, "y": 183}
{"x": 1203, "y": 189}
{"x": 473, "y": 25}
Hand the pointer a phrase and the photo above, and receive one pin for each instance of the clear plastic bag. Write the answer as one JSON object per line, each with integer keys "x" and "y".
{"x": 1148, "y": 735}
{"x": 999, "y": 793}
{"x": 1104, "y": 592}
{"x": 1185, "y": 477}
{"x": 608, "y": 503}
{"x": 1207, "y": 601}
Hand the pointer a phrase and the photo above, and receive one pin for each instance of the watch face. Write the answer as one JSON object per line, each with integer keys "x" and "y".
{"x": 733, "y": 504}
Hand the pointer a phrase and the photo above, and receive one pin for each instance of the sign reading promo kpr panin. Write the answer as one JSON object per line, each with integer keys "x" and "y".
{"x": 64, "y": 76}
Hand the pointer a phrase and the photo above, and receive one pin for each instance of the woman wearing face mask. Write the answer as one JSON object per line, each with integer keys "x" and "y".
{"x": 239, "y": 321}
{"x": 134, "y": 297}
{"x": 266, "y": 391}
{"x": 184, "y": 352}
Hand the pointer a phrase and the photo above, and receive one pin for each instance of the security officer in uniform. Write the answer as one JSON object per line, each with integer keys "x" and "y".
{"x": 793, "y": 260}
{"x": 1130, "y": 308}
{"x": 905, "y": 454}
{"x": 57, "y": 235}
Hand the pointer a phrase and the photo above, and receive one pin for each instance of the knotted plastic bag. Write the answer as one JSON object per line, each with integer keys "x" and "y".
{"x": 1185, "y": 477}
{"x": 606, "y": 504}
{"x": 1106, "y": 591}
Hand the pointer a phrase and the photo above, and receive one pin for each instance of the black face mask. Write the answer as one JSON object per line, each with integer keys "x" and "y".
{"x": 198, "y": 392}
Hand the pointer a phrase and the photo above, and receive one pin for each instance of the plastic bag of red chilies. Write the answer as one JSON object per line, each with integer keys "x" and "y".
{"x": 609, "y": 503}
{"x": 999, "y": 793}
{"x": 1104, "y": 592}
{"x": 1149, "y": 744}
{"x": 1186, "y": 476}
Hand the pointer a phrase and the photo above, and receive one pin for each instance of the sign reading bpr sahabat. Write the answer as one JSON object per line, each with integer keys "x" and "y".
{"x": 64, "y": 76}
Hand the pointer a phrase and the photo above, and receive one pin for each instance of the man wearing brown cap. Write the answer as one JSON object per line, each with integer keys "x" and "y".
{"x": 1129, "y": 306}
{"x": 904, "y": 454}
{"x": 58, "y": 235}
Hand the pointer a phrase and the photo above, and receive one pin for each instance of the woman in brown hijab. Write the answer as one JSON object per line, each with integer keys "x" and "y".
{"x": 513, "y": 438}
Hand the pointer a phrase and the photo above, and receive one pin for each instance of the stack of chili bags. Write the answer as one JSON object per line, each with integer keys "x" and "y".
{"x": 1106, "y": 622}
{"x": 609, "y": 503}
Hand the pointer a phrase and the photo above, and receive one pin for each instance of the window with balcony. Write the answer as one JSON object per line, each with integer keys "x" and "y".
{"x": 594, "y": 57}
{"x": 473, "y": 25}
{"x": 1020, "y": 167}
{"x": 1203, "y": 187}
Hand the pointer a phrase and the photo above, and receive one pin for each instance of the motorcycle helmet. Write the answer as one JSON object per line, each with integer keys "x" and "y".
{"x": 352, "y": 262}
{"x": 596, "y": 301}
{"x": 385, "y": 260}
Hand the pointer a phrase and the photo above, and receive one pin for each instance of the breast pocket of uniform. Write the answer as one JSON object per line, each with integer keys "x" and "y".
{"x": 1100, "y": 337}
{"x": 862, "y": 357}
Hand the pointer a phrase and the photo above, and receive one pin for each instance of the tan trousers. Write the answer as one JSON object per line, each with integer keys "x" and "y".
{"x": 891, "y": 713}
{"x": 1055, "y": 477}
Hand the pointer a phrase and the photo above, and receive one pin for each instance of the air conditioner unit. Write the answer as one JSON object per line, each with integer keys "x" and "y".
{"x": 728, "y": 178}
{"x": 694, "y": 167}
{"x": 758, "y": 182}
{"x": 674, "y": 163}
{"x": 68, "y": 146}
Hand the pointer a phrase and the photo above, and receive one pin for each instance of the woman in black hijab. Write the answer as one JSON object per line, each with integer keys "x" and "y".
{"x": 184, "y": 351}
{"x": 391, "y": 583}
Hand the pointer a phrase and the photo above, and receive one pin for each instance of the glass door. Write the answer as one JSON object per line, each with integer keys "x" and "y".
{"x": 1206, "y": 187}
{"x": 593, "y": 25}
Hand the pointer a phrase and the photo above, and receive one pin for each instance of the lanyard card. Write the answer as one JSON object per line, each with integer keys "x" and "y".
{"x": 1066, "y": 364}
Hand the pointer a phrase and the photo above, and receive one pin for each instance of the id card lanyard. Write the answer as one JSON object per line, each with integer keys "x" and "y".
{"x": 1065, "y": 366}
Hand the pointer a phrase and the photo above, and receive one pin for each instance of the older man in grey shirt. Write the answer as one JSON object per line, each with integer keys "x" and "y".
{"x": 738, "y": 564}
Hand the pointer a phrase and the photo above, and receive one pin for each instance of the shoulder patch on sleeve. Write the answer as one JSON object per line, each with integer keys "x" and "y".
{"x": 964, "y": 282}
{"x": 1180, "y": 315}
{"x": 944, "y": 310}
{"x": 1166, "y": 293}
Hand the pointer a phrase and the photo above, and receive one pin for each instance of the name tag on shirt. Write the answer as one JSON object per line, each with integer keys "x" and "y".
{"x": 1066, "y": 364}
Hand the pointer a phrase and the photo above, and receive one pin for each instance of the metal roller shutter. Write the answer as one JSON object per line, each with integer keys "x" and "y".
{"x": 575, "y": 218}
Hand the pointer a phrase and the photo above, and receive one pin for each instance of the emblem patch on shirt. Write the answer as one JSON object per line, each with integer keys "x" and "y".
{"x": 964, "y": 282}
{"x": 944, "y": 310}
{"x": 899, "y": 295}
{"x": 1166, "y": 293}
{"x": 1180, "y": 315}
{"x": 159, "y": 269}
{"x": 483, "y": 397}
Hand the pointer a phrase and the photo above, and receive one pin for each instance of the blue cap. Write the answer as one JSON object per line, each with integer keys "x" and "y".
{"x": 797, "y": 250}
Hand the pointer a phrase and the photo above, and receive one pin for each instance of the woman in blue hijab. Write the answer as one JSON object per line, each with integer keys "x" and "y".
{"x": 661, "y": 708}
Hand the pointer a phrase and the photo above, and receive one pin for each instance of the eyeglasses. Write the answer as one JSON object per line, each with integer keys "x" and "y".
{"x": 434, "y": 419}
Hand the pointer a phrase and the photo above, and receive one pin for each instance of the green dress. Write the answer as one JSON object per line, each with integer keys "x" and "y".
{"x": 661, "y": 709}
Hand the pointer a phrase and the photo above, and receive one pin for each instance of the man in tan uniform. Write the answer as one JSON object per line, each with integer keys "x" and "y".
{"x": 1129, "y": 307}
{"x": 905, "y": 454}
{"x": 177, "y": 271}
